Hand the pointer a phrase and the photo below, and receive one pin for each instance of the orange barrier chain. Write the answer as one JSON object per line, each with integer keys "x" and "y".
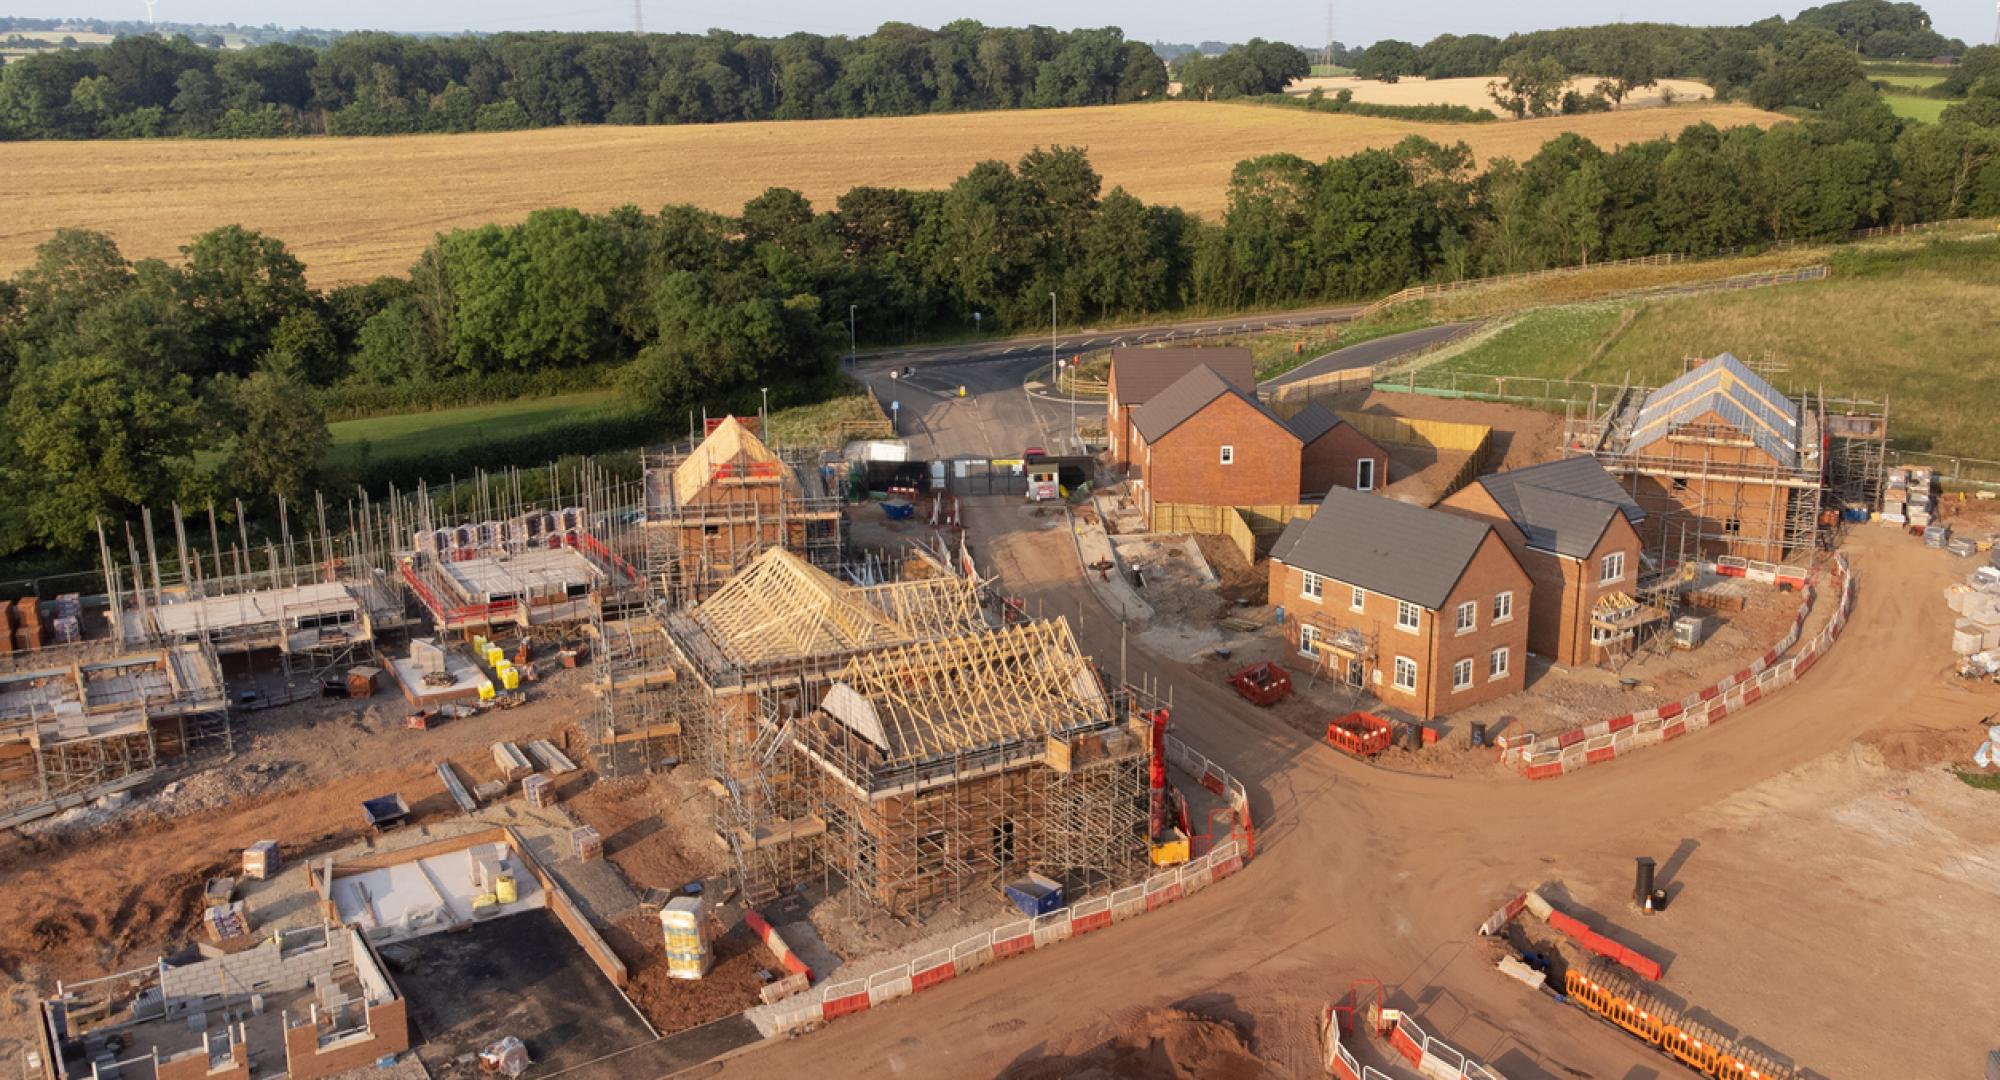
{"x": 1603, "y": 991}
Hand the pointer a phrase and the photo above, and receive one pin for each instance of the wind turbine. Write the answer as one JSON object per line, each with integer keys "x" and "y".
{"x": 150, "y": 20}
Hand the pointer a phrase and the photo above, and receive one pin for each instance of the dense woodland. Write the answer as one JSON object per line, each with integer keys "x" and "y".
{"x": 136, "y": 383}
{"x": 144, "y": 86}
{"x": 383, "y": 84}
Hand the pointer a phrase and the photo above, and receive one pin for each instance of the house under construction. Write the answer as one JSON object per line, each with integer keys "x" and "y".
{"x": 539, "y": 569}
{"x": 883, "y": 735}
{"x": 93, "y": 727}
{"x": 1724, "y": 464}
{"x": 711, "y": 509}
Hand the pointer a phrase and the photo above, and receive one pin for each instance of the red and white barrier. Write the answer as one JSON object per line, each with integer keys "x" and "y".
{"x": 1548, "y": 756}
{"x": 775, "y": 941}
{"x": 1427, "y": 1054}
{"x": 1015, "y": 937}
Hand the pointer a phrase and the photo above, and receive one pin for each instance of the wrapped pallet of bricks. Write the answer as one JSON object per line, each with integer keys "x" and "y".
{"x": 689, "y": 953}
{"x": 260, "y": 860}
{"x": 585, "y": 842}
{"x": 227, "y": 922}
{"x": 539, "y": 790}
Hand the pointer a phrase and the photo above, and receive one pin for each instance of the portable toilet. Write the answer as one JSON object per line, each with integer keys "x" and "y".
{"x": 689, "y": 954}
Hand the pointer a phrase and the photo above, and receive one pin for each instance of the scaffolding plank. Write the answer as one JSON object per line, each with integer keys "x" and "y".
{"x": 456, "y": 787}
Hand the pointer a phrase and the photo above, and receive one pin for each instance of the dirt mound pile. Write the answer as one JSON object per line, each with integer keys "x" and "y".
{"x": 1160, "y": 1044}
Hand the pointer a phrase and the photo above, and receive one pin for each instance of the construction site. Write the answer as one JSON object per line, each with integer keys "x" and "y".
{"x": 757, "y": 751}
{"x": 1725, "y": 464}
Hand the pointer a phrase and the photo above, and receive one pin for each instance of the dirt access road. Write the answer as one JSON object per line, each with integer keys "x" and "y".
{"x": 1848, "y": 947}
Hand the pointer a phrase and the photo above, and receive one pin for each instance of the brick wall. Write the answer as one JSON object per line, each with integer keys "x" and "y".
{"x": 193, "y": 1065}
{"x": 262, "y": 970}
{"x": 1435, "y": 645}
{"x": 388, "y": 1033}
{"x": 1331, "y": 460}
{"x": 1186, "y": 464}
{"x": 1117, "y": 423}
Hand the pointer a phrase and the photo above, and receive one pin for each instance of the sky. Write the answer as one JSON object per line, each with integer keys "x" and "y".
{"x": 1302, "y": 22}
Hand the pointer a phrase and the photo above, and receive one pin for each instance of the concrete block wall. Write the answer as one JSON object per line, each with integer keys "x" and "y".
{"x": 264, "y": 969}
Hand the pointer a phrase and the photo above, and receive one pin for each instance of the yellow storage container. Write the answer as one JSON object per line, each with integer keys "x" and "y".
{"x": 479, "y": 644}
{"x": 510, "y": 676}
{"x": 495, "y": 655}
{"x": 503, "y": 889}
{"x": 486, "y": 691}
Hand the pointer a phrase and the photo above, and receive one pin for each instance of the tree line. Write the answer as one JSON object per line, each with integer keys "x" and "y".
{"x": 383, "y": 84}
{"x": 1772, "y": 63}
{"x": 128, "y": 384}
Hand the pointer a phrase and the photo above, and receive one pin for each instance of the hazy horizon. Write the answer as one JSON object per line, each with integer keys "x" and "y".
{"x": 1171, "y": 20}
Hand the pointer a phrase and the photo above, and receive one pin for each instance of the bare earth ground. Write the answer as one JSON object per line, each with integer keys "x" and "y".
{"x": 1471, "y": 92}
{"x": 357, "y": 208}
{"x": 1824, "y": 871}
{"x": 1816, "y": 899}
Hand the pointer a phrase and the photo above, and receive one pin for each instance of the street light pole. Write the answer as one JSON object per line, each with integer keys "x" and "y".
{"x": 1054, "y": 375}
{"x": 850, "y": 335}
{"x": 764, "y": 414}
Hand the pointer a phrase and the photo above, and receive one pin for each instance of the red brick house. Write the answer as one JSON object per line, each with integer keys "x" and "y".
{"x": 1138, "y": 375}
{"x": 1426, "y": 611}
{"x": 1205, "y": 441}
{"x": 1333, "y": 454}
{"x": 1575, "y": 532}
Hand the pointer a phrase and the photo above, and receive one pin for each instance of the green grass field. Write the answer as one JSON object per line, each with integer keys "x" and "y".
{"x": 413, "y": 435}
{"x": 1908, "y": 82}
{"x": 1913, "y": 325}
{"x": 1914, "y": 107}
{"x": 1321, "y": 71}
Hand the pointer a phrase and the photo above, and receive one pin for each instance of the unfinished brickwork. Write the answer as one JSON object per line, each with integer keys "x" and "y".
{"x": 1230, "y": 452}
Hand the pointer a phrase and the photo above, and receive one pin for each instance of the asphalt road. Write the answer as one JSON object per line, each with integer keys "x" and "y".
{"x": 1030, "y": 346}
{"x": 1372, "y": 352}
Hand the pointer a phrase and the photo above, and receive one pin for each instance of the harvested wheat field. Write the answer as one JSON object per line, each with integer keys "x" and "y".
{"x": 1471, "y": 92}
{"x": 357, "y": 208}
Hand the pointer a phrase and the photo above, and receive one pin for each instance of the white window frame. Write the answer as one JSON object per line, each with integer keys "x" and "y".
{"x": 1503, "y": 607}
{"x": 1229, "y": 455}
{"x": 1605, "y": 566}
{"x": 1415, "y": 614}
{"x": 1312, "y": 586}
{"x": 1357, "y": 598}
{"x": 1364, "y": 474}
{"x": 1405, "y": 664}
{"x": 1468, "y": 616}
{"x": 1499, "y": 663}
{"x": 1461, "y": 668}
{"x": 1309, "y": 640}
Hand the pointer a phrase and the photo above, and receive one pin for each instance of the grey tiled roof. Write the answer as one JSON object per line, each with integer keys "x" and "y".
{"x": 1143, "y": 373}
{"x": 1189, "y": 394}
{"x": 1384, "y": 546}
{"x": 1312, "y": 422}
{"x": 1562, "y": 506}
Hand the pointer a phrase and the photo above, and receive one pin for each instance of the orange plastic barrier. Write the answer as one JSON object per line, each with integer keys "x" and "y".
{"x": 1361, "y": 734}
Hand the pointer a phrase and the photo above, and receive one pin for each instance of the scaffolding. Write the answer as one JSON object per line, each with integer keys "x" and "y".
{"x": 712, "y": 507}
{"x": 1721, "y": 459}
{"x": 70, "y": 730}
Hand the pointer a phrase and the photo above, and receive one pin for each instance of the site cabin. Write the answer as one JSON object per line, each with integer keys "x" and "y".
{"x": 1332, "y": 453}
{"x": 1206, "y": 442}
{"x": 1044, "y": 483}
{"x": 1575, "y": 532}
{"x": 1138, "y": 375}
{"x": 712, "y": 509}
{"x": 1719, "y": 460}
{"x": 1425, "y": 610}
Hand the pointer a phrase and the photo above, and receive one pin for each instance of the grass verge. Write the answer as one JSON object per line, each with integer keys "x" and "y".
{"x": 1982, "y": 781}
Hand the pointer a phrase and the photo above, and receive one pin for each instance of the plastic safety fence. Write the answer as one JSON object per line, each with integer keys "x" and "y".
{"x": 1018, "y": 936}
{"x": 1548, "y": 756}
{"x": 1607, "y": 994}
{"x": 1431, "y": 1056}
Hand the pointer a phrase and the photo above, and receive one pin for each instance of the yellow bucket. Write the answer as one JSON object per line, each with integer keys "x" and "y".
{"x": 503, "y": 888}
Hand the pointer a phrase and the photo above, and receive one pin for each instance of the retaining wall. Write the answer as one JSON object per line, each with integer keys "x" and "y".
{"x": 1018, "y": 936}
{"x": 1545, "y": 757}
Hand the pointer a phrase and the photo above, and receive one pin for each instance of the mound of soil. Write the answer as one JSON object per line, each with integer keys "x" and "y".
{"x": 1161, "y": 1044}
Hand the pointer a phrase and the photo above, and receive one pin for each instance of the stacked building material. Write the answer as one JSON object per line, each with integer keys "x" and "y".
{"x": 1935, "y": 536}
{"x": 539, "y": 790}
{"x": 261, "y": 860}
{"x": 227, "y": 922}
{"x": 1920, "y": 503}
{"x": 67, "y": 626}
{"x": 689, "y": 953}
{"x": 586, "y": 844}
{"x": 27, "y": 624}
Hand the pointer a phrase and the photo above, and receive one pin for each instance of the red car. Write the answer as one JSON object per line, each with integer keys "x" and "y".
{"x": 1033, "y": 452}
